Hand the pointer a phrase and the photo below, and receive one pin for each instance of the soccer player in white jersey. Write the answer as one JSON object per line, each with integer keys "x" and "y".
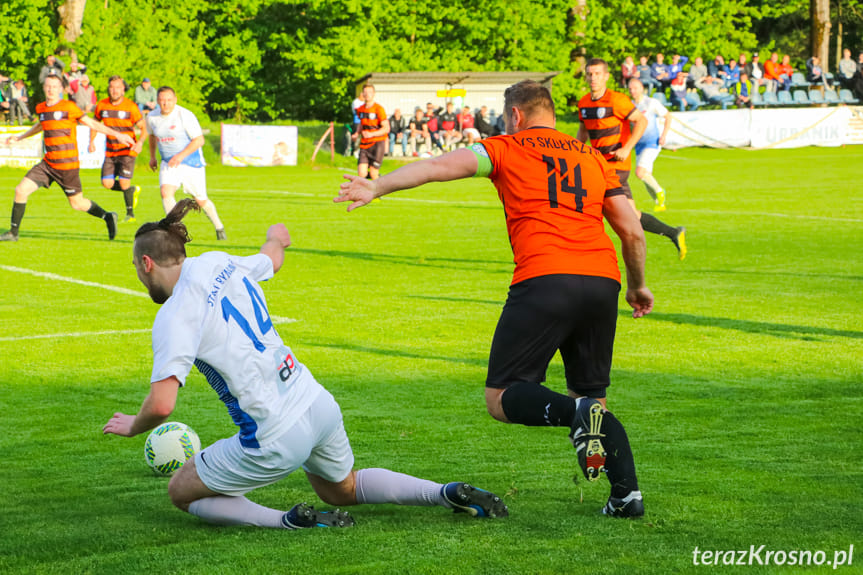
{"x": 177, "y": 133}
{"x": 214, "y": 316}
{"x": 648, "y": 147}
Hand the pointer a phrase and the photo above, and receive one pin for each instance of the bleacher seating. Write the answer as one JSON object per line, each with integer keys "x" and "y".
{"x": 831, "y": 97}
{"x": 770, "y": 99}
{"x": 800, "y": 98}
{"x": 660, "y": 97}
{"x": 798, "y": 80}
{"x": 816, "y": 97}
{"x": 846, "y": 97}
{"x": 757, "y": 99}
{"x": 784, "y": 97}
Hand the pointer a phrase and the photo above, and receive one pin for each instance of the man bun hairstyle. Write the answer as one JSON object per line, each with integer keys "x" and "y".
{"x": 165, "y": 241}
{"x": 528, "y": 96}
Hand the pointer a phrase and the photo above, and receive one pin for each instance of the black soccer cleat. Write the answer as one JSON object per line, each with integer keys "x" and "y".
{"x": 304, "y": 516}
{"x": 476, "y": 502}
{"x": 626, "y": 507}
{"x": 587, "y": 438}
{"x": 8, "y": 237}
{"x": 111, "y": 221}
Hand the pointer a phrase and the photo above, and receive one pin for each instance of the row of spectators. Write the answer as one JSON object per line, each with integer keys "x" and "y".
{"x": 721, "y": 83}
{"x": 15, "y": 99}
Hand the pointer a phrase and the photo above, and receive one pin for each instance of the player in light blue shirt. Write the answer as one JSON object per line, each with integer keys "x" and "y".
{"x": 648, "y": 147}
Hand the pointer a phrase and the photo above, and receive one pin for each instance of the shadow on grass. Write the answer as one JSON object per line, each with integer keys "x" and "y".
{"x": 761, "y": 274}
{"x": 396, "y": 353}
{"x": 457, "y": 299}
{"x": 803, "y": 332}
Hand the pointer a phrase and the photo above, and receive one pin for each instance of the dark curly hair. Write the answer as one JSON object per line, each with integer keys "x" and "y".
{"x": 165, "y": 241}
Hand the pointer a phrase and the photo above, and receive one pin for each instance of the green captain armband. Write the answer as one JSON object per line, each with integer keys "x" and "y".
{"x": 484, "y": 166}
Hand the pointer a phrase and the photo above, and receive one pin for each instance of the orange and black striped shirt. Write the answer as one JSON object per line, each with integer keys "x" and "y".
{"x": 59, "y": 124}
{"x": 607, "y": 124}
{"x": 371, "y": 118}
{"x": 122, "y": 118}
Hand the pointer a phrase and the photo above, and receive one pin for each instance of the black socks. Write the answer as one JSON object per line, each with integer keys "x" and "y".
{"x": 536, "y": 405}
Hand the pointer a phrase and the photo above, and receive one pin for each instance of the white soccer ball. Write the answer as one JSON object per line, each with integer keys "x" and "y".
{"x": 169, "y": 446}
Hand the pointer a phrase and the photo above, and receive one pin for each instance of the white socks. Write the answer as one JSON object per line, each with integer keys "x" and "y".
{"x": 210, "y": 209}
{"x": 225, "y": 510}
{"x": 385, "y": 486}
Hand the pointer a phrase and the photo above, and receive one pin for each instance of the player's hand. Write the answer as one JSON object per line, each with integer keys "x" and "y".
{"x": 136, "y": 149}
{"x": 126, "y": 140}
{"x": 661, "y": 140}
{"x": 620, "y": 154}
{"x": 10, "y": 140}
{"x": 358, "y": 190}
{"x": 119, "y": 424}
{"x": 174, "y": 162}
{"x": 154, "y": 164}
{"x": 367, "y": 134}
{"x": 641, "y": 301}
{"x": 92, "y": 148}
{"x": 279, "y": 233}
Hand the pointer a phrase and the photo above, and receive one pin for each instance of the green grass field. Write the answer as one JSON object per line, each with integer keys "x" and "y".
{"x": 741, "y": 391}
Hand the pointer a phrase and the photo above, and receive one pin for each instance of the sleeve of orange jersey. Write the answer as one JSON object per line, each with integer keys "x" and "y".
{"x": 494, "y": 147}
{"x": 612, "y": 182}
{"x": 622, "y": 106}
{"x": 75, "y": 112}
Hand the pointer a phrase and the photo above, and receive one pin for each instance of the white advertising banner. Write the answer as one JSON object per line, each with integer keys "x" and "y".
{"x": 767, "y": 128}
{"x": 29, "y": 152}
{"x": 259, "y": 145}
{"x": 798, "y": 127}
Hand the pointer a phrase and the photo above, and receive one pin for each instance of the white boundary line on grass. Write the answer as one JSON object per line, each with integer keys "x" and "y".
{"x": 51, "y": 276}
{"x": 388, "y": 198}
{"x": 772, "y": 215}
{"x": 75, "y": 334}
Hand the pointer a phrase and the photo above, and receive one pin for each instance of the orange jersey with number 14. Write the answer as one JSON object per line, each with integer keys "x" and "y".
{"x": 553, "y": 187}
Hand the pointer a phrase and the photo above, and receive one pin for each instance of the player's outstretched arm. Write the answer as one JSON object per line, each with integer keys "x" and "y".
{"x": 157, "y": 408}
{"x": 34, "y": 129}
{"x": 455, "y": 165}
{"x": 124, "y": 139}
{"x": 278, "y": 239}
{"x": 625, "y": 224}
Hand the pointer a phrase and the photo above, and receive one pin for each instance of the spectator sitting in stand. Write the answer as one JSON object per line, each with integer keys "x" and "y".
{"x": 76, "y": 72}
{"x": 419, "y": 133}
{"x": 645, "y": 74}
{"x": 755, "y": 71}
{"x": 449, "y": 126}
{"x": 679, "y": 96}
{"x": 676, "y": 66}
{"x": 482, "y": 124}
{"x": 398, "y": 131}
{"x": 145, "y": 96}
{"x": 743, "y": 92}
{"x": 499, "y": 125}
{"x": 53, "y": 65}
{"x": 433, "y": 124}
{"x": 659, "y": 71}
{"x": 772, "y": 73}
{"x": 84, "y": 95}
{"x": 786, "y": 71}
{"x": 5, "y": 105}
{"x": 709, "y": 86}
{"x": 696, "y": 72}
{"x": 732, "y": 74}
{"x": 715, "y": 66}
{"x": 815, "y": 74}
{"x": 627, "y": 71}
{"x": 18, "y": 102}
{"x": 467, "y": 127}
{"x": 846, "y": 69}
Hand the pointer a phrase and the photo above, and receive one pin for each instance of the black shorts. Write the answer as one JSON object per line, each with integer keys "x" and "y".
{"x": 118, "y": 167}
{"x": 374, "y": 155}
{"x": 623, "y": 176}
{"x": 572, "y": 313}
{"x": 43, "y": 175}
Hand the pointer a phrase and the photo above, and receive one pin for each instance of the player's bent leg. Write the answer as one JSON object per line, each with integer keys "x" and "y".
{"x": 23, "y": 190}
{"x": 108, "y": 184}
{"x": 340, "y": 493}
{"x": 494, "y": 403}
{"x": 79, "y": 202}
{"x": 185, "y": 486}
{"x": 168, "y": 201}
{"x": 374, "y": 173}
{"x": 363, "y": 170}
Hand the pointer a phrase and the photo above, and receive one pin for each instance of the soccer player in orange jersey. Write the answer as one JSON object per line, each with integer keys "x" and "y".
{"x": 374, "y": 131}
{"x": 605, "y": 119}
{"x": 555, "y": 191}
{"x": 58, "y": 118}
{"x": 123, "y": 115}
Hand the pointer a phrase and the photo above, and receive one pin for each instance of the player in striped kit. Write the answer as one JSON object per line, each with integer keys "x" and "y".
{"x": 123, "y": 115}
{"x": 58, "y": 119}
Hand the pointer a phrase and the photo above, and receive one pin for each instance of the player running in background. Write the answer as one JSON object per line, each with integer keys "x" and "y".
{"x": 555, "y": 191}
{"x": 648, "y": 147}
{"x": 123, "y": 115}
{"x": 374, "y": 132}
{"x": 214, "y": 316}
{"x": 58, "y": 119}
{"x": 605, "y": 117}
{"x": 178, "y": 135}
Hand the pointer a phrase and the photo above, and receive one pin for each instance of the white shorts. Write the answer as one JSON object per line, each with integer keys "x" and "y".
{"x": 646, "y": 158}
{"x": 317, "y": 442}
{"x": 472, "y": 132}
{"x": 192, "y": 180}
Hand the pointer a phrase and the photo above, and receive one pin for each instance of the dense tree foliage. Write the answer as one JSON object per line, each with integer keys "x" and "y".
{"x": 266, "y": 60}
